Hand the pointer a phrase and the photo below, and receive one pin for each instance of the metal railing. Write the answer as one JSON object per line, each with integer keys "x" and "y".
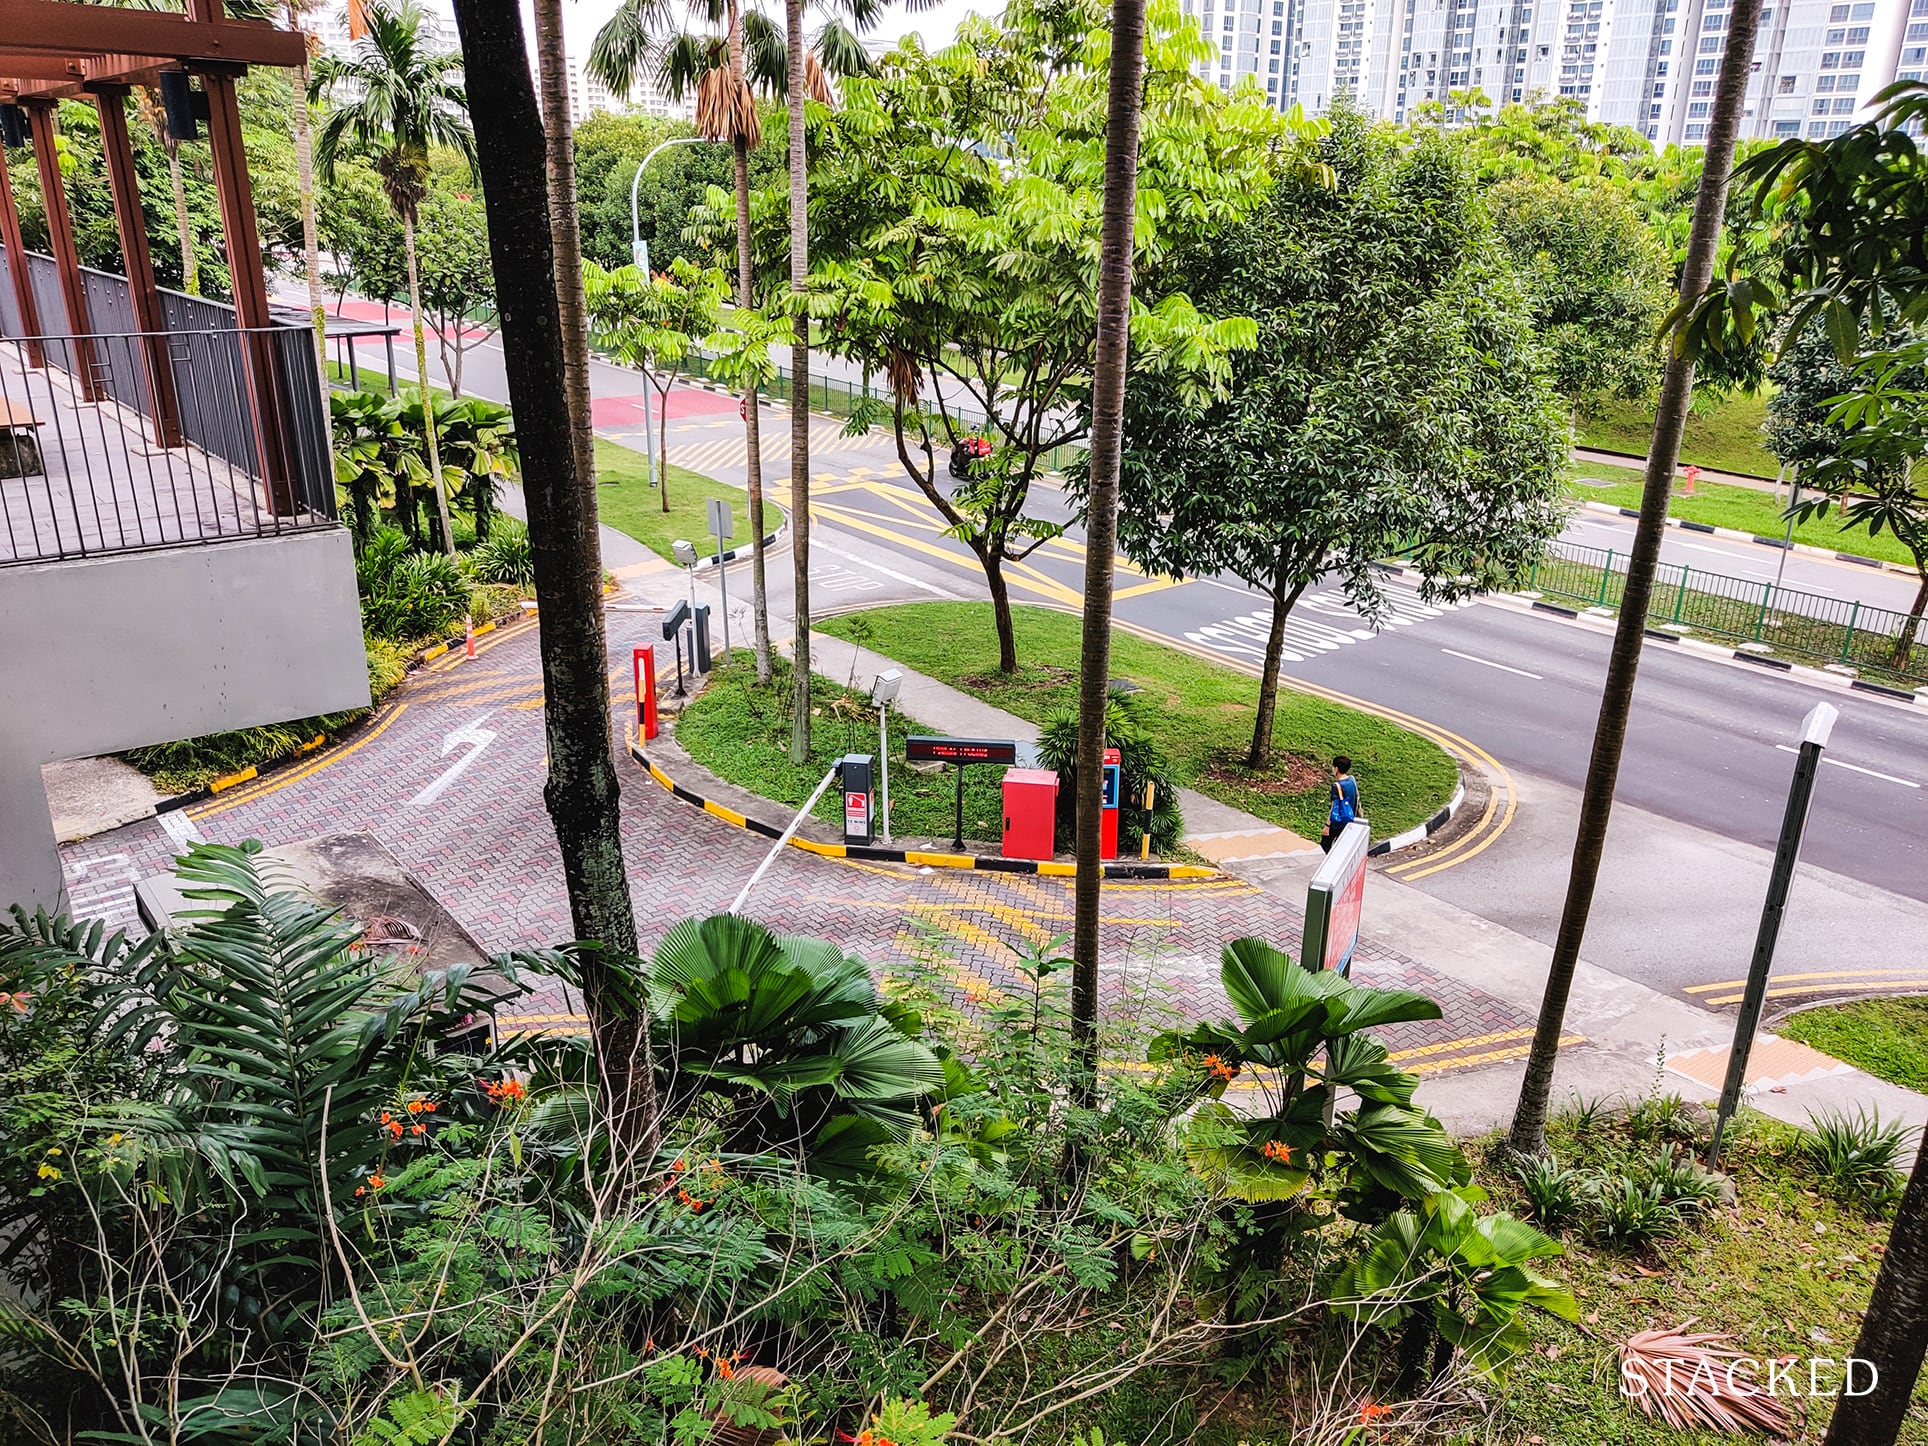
{"x": 127, "y": 441}
{"x": 1786, "y": 620}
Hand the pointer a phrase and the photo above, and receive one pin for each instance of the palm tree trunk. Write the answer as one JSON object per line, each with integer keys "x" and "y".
{"x": 1101, "y": 513}
{"x": 582, "y": 793}
{"x": 799, "y": 383}
{"x": 310, "y": 231}
{"x": 421, "y": 378}
{"x": 746, "y": 298}
{"x": 559, "y": 135}
{"x": 1894, "y": 1332}
{"x": 1528, "y": 1135}
{"x": 183, "y": 227}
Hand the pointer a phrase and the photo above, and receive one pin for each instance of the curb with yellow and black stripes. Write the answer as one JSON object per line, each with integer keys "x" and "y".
{"x": 985, "y": 863}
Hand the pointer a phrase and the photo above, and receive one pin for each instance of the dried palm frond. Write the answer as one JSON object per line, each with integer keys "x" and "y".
{"x": 816, "y": 82}
{"x": 725, "y": 109}
{"x": 902, "y": 367}
{"x": 1693, "y": 1381}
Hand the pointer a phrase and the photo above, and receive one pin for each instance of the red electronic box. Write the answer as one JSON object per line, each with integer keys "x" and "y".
{"x": 1030, "y": 813}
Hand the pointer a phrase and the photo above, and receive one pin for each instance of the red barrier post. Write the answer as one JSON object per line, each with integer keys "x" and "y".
{"x": 645, "y": 664}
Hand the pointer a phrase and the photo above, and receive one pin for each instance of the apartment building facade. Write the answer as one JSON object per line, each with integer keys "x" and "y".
{"x": 1649, "y": 65}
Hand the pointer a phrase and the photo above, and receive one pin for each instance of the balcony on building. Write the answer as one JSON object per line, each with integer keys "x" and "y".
{"x": 170, "y": 559}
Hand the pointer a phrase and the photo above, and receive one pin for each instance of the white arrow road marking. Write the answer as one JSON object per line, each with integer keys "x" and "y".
{"x": 472, "y": 733}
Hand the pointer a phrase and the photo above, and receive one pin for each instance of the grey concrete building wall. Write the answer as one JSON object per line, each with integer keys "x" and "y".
{"x": 102, "y": 654}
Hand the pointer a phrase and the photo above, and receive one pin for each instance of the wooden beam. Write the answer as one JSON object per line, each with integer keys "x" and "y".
{"x": 148, "y": 316}
{"x": 43, "y": 67}
{"x": 60, "y": 241}
{"x": 17, "y": 267}
{"x": 59, "y": 27}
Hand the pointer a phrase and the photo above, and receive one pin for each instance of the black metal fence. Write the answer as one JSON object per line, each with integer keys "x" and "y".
{"x": 1787, "y": 620}
{"x": 120, "y": 439}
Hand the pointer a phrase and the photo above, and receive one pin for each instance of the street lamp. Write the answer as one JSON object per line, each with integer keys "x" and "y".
{"x": 685, "y": 553}
{"x": 883, "y": 692}
{"x": 639, "y": 253}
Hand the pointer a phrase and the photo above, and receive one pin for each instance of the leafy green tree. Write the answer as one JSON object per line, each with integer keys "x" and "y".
{"x": 1596, "y": 276}
{"x": 457, "y": 283}
{"x": 654, "y": 323}
{"x": 1857, "y": 438}
{"x": 1395, "y": 401}
{"x": 397, "y": 99}
{"x": 959, "y": 197}
{"x": 362, "y": 235}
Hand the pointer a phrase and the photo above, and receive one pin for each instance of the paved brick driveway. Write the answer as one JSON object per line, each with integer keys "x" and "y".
{"x": 482, "y": 843}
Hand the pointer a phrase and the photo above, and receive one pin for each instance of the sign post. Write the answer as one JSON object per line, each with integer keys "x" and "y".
{"x": 959, "y": 753}
{"x": 1333, "y": 902}
{"x": 724, "y": 528}
{"x": 1815, "y": 729}
{"x": 883, "y": 692}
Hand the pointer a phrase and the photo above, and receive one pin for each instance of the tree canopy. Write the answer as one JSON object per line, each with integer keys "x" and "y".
{"x": 1396, "y": 400}
{"x": 955, "y": 207}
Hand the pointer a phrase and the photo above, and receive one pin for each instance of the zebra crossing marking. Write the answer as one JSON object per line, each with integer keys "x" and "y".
{"x": 1245, "y": 634}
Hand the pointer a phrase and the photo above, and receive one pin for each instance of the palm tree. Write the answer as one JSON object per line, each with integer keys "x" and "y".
{"x": 399, "y": 99}
{"x": 558, "y": 128}
{"x": 1894, "y": 1332}
{"x": 1528, "y": 1135}
{"x": 147, "y": 99}
{"x": 1101, "y": 512}
{"x": 305, "y": 182}
{"x": 724, "y": 72}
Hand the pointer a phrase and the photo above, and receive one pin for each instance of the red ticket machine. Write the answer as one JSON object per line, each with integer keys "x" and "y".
{"x": 1030, "y": 813}
{"x": 1108, "y": 814}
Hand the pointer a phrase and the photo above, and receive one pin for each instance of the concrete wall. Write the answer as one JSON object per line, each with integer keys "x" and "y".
{"x": 101, "y": 654}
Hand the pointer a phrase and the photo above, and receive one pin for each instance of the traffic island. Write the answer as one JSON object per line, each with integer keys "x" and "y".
{"x": 1200, "y": 714}
{"x": 726, "y": 751}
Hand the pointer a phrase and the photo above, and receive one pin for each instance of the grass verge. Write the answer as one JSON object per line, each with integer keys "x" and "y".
{"x": 1886, "y": 1037}
{"x": 1204, "y": 712}
{"x": 1787, "y": 1272}
{"x": 1727, "y": 438}
{"x": 629, "y": 504}
{"x": 739, "y": 729}
{"x": 1744, "y": 509}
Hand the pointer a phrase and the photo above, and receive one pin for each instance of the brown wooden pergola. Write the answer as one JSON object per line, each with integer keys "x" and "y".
{"x": 51, "y": 49}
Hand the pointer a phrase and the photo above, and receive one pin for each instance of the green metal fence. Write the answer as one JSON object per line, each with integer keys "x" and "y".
{"x": 834, "y": 397}
{"x": 1687, "y": 599}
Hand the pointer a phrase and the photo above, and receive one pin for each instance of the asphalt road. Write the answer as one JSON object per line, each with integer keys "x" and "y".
{"x": 1701, "y": 787}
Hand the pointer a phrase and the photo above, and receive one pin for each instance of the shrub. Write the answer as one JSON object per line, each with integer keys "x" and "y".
{"x": 1857, "y": 1155}
{"x": 505, "y": 556}
{"x": 1554, "y": 1192}
{"x": 408, "y": 595}
{"x": 387, "y": 667}
{"x": 1626, "y": 1212}
{"x": 1140, "y": 761}
{"x": 1683, "y": 1183}
{"x": 1657, "y": 1116}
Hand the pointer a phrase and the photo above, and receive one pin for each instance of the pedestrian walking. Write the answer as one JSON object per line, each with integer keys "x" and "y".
{"x": 1343, "y": 806}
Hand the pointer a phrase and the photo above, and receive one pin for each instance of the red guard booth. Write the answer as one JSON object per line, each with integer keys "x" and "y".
{"x": 1030, "y": 812}
{"x": 1108, "y": 815}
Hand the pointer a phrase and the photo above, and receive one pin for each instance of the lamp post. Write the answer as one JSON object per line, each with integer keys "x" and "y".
{"x": 883, "y": 693}
{"x": 639, "y": 253}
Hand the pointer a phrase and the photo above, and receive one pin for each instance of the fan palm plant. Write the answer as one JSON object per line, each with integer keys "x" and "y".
{"x": 395, "y": 100}
{"x": 790, "y": 1030}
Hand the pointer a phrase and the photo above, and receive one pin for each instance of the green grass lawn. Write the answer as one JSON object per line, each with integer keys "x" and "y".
{"x": 629, "y": 504}
{"x": 1203, "y": 712}
{"x": 1728, "y": 438}
{"x": 1725, "y": 505}
{"x": 1886, "y": 1037}
{"x": 740, "y": 731}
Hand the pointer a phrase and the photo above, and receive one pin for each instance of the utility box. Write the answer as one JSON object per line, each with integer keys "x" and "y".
{"x": 1030, "y": 813}
{"x": 1108, "y": 814}
{"x": 859, "y": 803}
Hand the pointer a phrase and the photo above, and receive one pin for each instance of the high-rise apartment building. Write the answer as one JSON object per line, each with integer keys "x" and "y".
{"x": 1646, "y": 64}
